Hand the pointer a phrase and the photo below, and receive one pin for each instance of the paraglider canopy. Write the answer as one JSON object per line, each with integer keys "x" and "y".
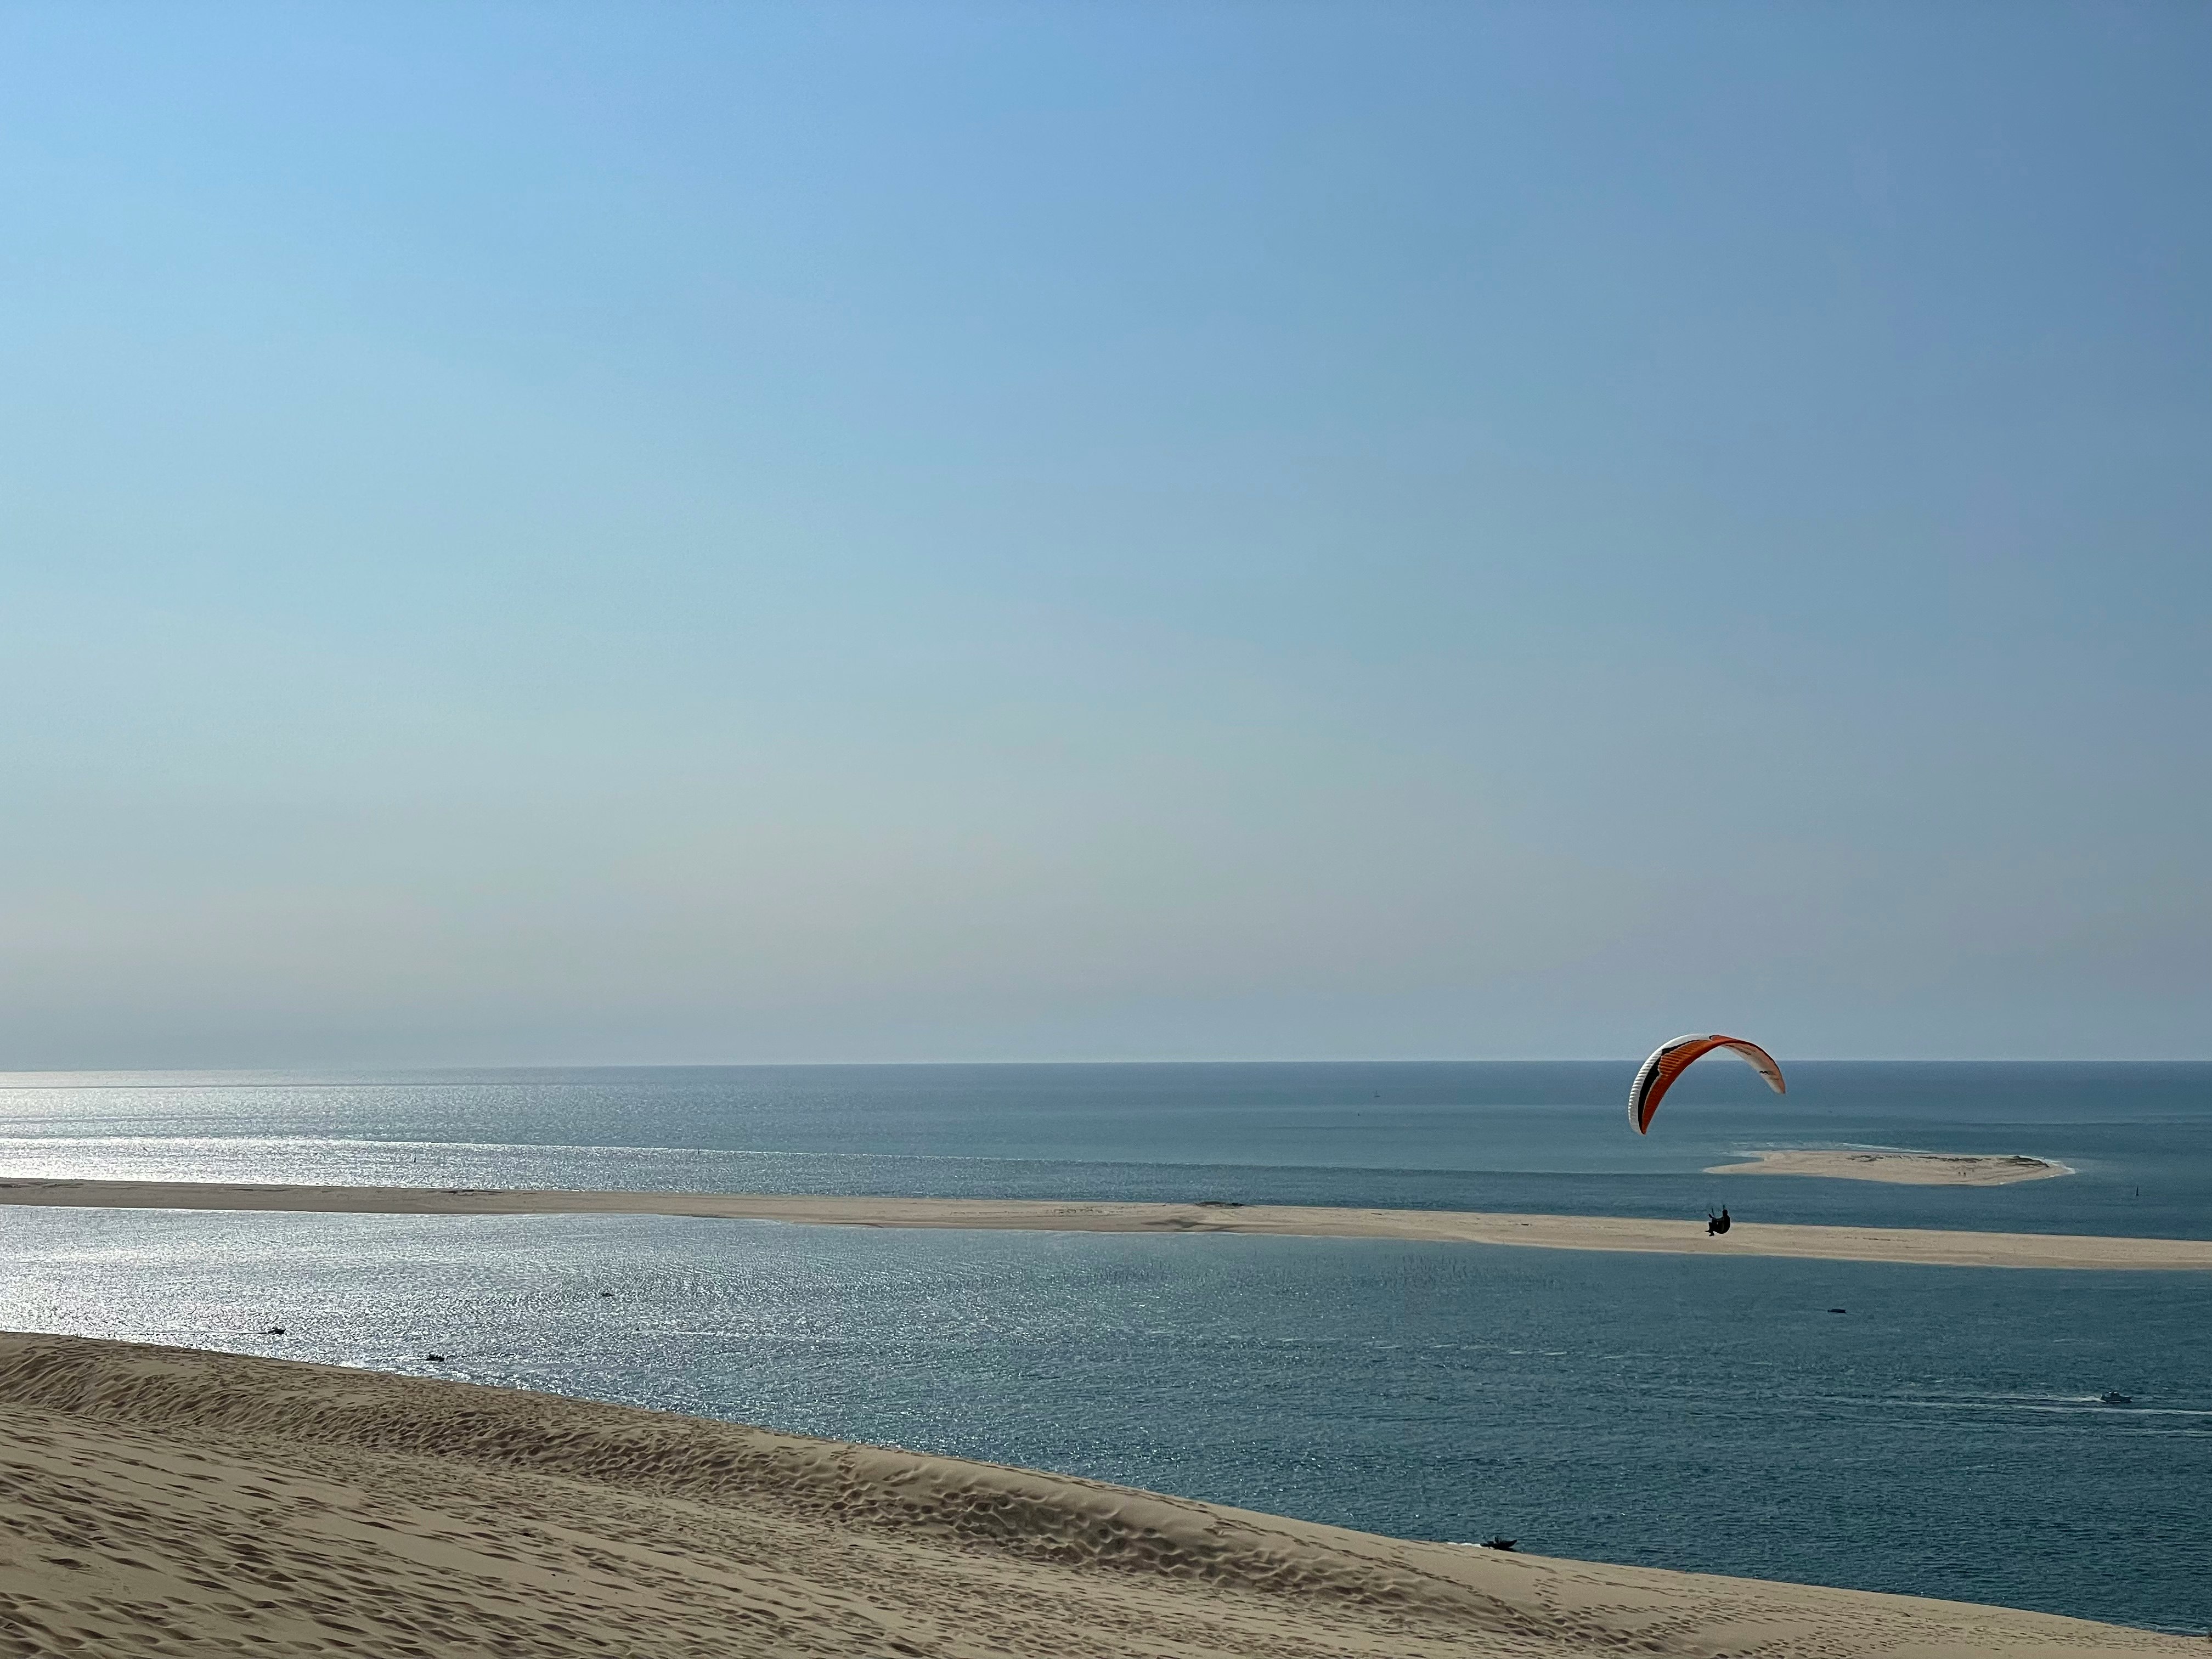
{"x": 1670, "y": 1059}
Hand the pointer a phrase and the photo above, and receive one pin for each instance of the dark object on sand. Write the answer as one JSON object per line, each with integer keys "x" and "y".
{"x": 2110, "y": 1397}
{"x": 1494, "y": 1543}
{"x": 1718, "y": 1225}
{"x": 1219, "y": 1204}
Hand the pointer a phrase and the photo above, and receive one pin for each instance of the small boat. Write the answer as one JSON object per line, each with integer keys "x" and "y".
{"x": 1494, "y": 1543}
{"x": 2110, "y": 1397}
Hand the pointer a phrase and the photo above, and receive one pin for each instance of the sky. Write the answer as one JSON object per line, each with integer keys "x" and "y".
{"x": 627, "y": 533}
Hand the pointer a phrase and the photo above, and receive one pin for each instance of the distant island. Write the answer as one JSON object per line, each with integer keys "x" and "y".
{"x": 1906, "y": 1168}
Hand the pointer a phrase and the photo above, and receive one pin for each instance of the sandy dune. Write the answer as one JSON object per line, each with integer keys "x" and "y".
{"x": 1905, "y": 1169}
{"x": 159, "y": 1501}
{"x": 1565, "y": 1232}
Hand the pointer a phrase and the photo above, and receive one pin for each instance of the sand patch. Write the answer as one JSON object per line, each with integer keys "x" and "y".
{"x": 1905, "y": 1168}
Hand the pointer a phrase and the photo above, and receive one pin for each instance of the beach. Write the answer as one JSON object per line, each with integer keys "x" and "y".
{"x": 1905, "y": 1168}
{"x": 162, "y": 1500}
{"x": 1926, "y": 1245}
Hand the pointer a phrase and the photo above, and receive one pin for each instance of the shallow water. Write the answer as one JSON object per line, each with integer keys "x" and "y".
{"x": 1942, "y": 1436}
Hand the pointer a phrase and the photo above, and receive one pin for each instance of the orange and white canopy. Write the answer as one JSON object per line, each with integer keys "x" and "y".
{"x": 1670, "y": 1059}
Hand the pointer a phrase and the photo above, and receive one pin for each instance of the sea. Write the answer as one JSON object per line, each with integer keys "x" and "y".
{"x": 1930, "y": 1430}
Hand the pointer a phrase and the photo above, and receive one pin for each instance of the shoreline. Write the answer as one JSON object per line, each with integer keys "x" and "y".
{"x": 1927, "y": 1247}
{"x": 180, "y": 1500}
{"x": 1902, "y": 1169}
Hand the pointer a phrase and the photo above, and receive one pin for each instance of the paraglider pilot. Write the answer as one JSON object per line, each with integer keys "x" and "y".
{"x": 1718, "y": 1225}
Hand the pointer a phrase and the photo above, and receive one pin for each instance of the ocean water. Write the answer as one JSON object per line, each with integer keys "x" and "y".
{"x": 1941, "y": 1436}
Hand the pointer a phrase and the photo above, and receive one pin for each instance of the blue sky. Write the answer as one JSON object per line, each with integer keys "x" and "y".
{"x": 680, "y": 533}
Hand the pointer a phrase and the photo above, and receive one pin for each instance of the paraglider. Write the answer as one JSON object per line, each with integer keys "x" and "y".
{"x": 1670, "y": 1059}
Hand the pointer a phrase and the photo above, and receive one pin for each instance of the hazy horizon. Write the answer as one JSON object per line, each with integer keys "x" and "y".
{"x": 841, "y": 533}
{"x": 231, "y": 1077}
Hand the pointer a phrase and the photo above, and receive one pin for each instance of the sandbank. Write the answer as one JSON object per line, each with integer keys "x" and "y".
{"x": 1905, "y": 1168}
{"x": 1927, "y": 1246}
{"x": 168, "y": 1501}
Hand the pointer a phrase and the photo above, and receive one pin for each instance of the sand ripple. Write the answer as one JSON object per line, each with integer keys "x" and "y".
{"x": 160, "y": 1501}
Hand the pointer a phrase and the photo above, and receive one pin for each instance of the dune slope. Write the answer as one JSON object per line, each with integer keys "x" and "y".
{"x": 166, "y": 1501}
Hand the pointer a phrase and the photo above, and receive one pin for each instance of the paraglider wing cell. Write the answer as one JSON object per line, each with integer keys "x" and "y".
{"x": 1670, "y": 1059}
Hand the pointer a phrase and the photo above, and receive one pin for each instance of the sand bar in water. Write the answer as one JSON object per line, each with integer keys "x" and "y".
{"x": 1928, "y": 1246}
{"x": 1905, "y": 1168}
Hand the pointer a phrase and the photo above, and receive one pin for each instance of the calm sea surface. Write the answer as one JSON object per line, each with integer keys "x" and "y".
{"x": 1941, "y": 1435}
